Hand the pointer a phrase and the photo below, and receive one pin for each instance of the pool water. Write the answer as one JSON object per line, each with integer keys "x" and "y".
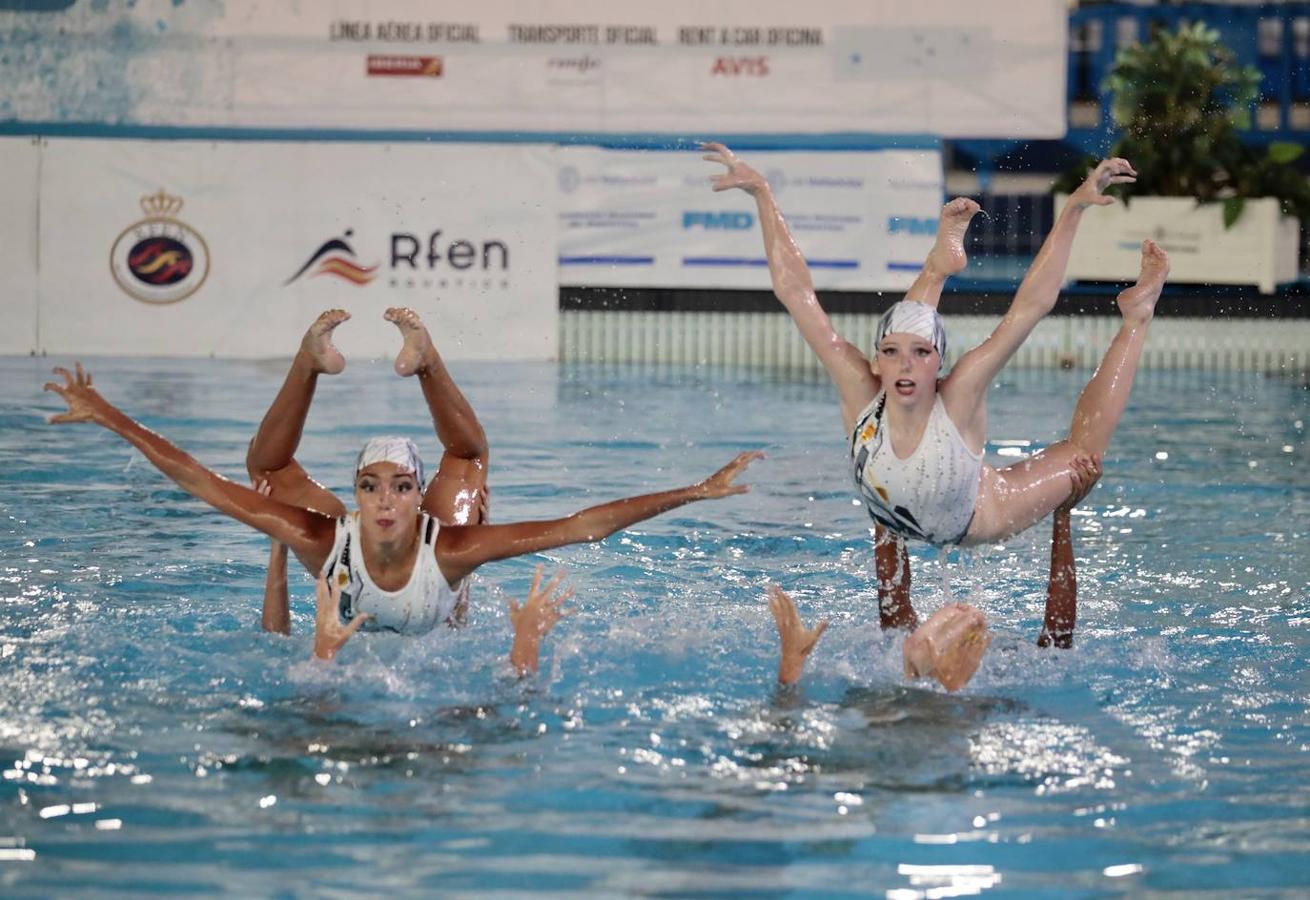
{"x": 153, "y": 740}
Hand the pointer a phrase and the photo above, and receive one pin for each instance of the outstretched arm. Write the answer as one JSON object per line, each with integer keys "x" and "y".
{"x": 797, "y": 641}
{"x": 846, "y": 365}
{"x": 535, "y": 618}
{"x": 308, "y": 534}
{"x": 1062, "y": 588}
{"x": 892, "y": 563}
{"x": 462, "y": 548}
{"x": 965, "y": 388}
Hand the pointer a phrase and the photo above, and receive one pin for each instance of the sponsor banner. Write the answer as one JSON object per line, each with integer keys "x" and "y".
{"x": 231, "y": 249}
{"x": 20, "y": 163}
{"x": 864, "y": 220}
{"x": 994, "y": 68}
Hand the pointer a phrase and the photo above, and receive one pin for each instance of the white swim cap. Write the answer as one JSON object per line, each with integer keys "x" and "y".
{"x": 918, "y": 319}
{"x": 392, "y": 449}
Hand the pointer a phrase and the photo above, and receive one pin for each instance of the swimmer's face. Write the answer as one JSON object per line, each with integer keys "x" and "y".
{"x": 907, "y": 365}
{"x": 389, "y": 498}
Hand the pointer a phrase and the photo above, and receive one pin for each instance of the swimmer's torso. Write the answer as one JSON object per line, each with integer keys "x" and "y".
{"x": 416, "y": 608}
{"x": 929, "y": 496}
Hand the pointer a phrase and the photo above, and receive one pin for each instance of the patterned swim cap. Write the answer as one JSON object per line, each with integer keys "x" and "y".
{"x": 390, "y": 448}
{"x": 919, "y": 319}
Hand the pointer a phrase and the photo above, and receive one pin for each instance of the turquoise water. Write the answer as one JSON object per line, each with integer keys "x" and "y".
{"x": 153, "y": 740}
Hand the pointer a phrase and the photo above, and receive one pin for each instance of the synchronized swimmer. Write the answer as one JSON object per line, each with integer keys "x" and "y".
{"x": 916, "y": 437}
{"x": 397, "y": 563}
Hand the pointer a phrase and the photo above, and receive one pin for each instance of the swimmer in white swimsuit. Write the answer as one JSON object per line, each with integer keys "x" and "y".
{"x": 906, "y": 367}
{"x": 391, "y": 501}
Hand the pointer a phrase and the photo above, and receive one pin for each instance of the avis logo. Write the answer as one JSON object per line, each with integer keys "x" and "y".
{"x": 748, "y": 66}
{"x": 336, "y": 258}
{"x": 718, "y": 221}
{"x": 911, "y": 225}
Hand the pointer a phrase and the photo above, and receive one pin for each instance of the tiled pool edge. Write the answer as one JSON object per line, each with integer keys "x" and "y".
{"x": 769, "y": 340}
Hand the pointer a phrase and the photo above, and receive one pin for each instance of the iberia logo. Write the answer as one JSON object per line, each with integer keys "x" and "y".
{"x": 159, "y": 259}
{"x": 336, "y": 257}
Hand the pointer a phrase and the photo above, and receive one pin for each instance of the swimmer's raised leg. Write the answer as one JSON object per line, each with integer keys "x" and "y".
{"x": 454, "y": 496}
{"x": 947, "y": 256}
{"x": 1016, "y": 497}
{"x": 1103, "y": 400}
{"x": 271, "y": 462}
{"x": 271, "y": 456}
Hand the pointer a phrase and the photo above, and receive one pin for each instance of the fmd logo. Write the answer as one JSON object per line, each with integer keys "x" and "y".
{"x": 718, "y": 221}
{"x": 911, "y": 225}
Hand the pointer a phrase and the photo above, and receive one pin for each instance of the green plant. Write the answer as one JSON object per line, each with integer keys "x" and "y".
{"x": 1180, "y": 101}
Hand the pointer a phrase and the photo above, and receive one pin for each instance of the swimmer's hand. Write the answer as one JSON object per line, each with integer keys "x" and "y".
{"x": 797, "y": 640}
{"x": 84, "y": 402}
{"x": 329, "y": 634}
{"x": 739, "y": 175}
{"x": 1107, "y": 172}
{"x": 1084, "y": 471}
{"x": 535, "y": 618}
{"x": 720, "y": 483}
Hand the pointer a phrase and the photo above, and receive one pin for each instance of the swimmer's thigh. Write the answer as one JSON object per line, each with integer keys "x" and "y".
{"x": 292, "y": 484}
{"x": 456, "y": 494}
{"x": 1015, "y": 498}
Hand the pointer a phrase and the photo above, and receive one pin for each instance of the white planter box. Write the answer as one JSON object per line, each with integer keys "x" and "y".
{"x": 1261, "y": 249}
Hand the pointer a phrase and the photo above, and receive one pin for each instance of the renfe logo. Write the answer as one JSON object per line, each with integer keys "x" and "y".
{"x": 911, "y": 225}
{"x": 718, "y": 221}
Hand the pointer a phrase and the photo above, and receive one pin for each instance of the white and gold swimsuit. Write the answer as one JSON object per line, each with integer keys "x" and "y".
{"x": 930, "y": 495}
{"x": 424, "y": 602}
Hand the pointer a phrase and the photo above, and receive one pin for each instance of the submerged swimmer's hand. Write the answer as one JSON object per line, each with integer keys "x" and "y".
{"x": 1107, "y": 172}
{"x": 329, "y": 634}
{"x": 720, "y": 483}
{"x": 84, "y": 402}
{"x": 797, "y": 640}
{"x": 535, "y": 618}
{"x": 739, "y": 175}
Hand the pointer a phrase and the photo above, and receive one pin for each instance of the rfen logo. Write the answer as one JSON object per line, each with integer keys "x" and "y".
{"x": 747, "y": 66}
{"x": 718, "y": 221}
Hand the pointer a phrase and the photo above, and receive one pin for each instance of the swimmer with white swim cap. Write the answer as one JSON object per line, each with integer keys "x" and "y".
{"x": 916, "y": 440}
{"x": 394, "y": 561}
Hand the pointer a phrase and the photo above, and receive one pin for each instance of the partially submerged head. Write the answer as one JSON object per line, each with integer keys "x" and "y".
{"x": 910, "y": 351}
{"x": 949, "y": 646}
{"x": 388, "y": 485}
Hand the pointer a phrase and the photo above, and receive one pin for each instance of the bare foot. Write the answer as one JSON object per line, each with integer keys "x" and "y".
{"x": 1138, "y": 302}
{"x": 413, "y": 355}
{"x": 947, "y": 255}
{"x": 317, "y": 342}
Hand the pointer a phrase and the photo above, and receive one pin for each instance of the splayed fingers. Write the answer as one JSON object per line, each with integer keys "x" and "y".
{"x": 78, "y": 391}
{"x": 720, "y": 484}
{"x": 739, "y": 175}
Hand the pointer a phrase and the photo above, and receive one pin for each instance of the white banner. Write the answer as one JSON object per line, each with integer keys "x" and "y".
{"x": 992, "y": 68}
{"x": 20, "y": 163}
{"x": 231, "y": 249}
{"x": 865, "y": 221}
